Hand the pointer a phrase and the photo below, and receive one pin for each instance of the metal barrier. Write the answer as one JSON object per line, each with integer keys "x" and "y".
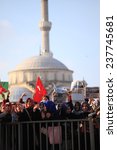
{"x": 50, "y": 135}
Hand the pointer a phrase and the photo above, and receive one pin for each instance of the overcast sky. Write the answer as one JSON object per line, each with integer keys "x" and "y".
{"x": 74, "y": 37}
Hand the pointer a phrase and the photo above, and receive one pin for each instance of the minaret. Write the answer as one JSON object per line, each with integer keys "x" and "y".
{"x": 45, "y": 27}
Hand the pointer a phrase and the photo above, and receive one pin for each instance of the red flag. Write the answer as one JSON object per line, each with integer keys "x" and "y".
{"x": 2, "y": 90}
{"x": 40, "y": 91}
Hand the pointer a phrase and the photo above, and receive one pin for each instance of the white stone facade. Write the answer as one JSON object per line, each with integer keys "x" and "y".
{"x": 57, "y": 76}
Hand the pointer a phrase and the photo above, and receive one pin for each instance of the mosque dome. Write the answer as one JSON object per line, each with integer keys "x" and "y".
{"x": 50, "y": 70}
{"x": 41, "y": 62}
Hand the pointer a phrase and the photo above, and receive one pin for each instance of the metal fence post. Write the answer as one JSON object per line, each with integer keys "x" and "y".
{"x": 91, "y": 130}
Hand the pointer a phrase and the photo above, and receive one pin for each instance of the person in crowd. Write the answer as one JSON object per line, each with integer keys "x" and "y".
{"x": 36, "y": 112}
{"x": 59, "y": 111}
{"x": 51, "y": 127}
{"x": 29, "y": 129}
{"x": 2, "y": 107}
{"x": 21, "y": 113}
{"x": 21, "y": 98}
{"x": 5, "y": 115}
{"x": 68, "y": 113}
{"x": 42, "y": 106}
{"x": 96, "y": 122}
{"x": 86, "y": 110}
{"x": 84, "y": 126}
{"x": 77, "y": 115}
{"x": 69, "y": 100}
{"x": 50, "y": 105}
{"x": 77, "y": 110}
{"x": 29, "y": 108}
{"x": 66, "y": 127}
{"x": 44, "y": 130}
{"x": 13, "y": 112}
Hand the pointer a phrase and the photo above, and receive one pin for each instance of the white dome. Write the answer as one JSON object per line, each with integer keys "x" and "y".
{"x": 16, "y": 92}
{"x": 50, "y": 69}
{"x": 41, "y": 62}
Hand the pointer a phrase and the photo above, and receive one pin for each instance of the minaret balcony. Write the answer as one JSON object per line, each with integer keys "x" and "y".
{"x": 45, "y": 25}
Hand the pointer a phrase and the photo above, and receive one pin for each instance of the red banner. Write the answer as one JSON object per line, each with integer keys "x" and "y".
{"x": 40, "y": 91}
{"x": 2, "y": 90}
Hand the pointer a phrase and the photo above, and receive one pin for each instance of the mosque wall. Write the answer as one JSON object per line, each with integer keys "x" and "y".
{"x": 22, "y": 76}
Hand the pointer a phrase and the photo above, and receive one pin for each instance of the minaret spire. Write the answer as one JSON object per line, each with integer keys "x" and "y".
{"x": 45, "y": 27}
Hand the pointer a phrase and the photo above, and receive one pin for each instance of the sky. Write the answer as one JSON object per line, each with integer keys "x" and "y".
{"x": 74, "y": 36}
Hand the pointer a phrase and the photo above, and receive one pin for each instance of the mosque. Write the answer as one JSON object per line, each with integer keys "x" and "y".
{"x": 50, "y": 70}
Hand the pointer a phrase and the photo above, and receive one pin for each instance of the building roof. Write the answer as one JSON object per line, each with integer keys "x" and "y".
{"x": 41, "y": 62}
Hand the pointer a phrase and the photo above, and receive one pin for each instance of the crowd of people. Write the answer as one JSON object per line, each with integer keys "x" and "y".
{"x": 31, "y": 110}
{"x": 46, "y": 109}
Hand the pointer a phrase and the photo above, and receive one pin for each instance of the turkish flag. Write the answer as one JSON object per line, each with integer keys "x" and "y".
{"x": 40, "y": 91}
{"x": 2, "y": 90}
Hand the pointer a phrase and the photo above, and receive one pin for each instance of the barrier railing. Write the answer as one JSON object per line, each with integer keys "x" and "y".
{"x": 50, "y": 135}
